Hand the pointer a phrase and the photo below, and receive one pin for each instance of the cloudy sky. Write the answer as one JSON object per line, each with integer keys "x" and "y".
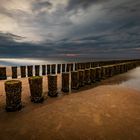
{"x": 69, "y": 28}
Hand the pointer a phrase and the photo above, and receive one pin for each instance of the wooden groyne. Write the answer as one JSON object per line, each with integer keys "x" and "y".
{"x": 73, "y": 77}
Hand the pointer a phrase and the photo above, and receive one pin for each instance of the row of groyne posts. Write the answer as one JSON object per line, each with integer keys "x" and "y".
{"x": 74, "y": 76}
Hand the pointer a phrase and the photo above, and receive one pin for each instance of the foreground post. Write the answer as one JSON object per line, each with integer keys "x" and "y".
{"x": 52, "y": 85}
{"x": 37, "y": 70}
{"x": 23, "y": 71}
{"x": 75, "y": 80}
{"x": 30, "y": 71}
{"x": 81, "y": 78}
{"x": 65, "y": 82}
{"x": 13, "y": 90}
{"x": 36, "y": 89}
{"x": 14, "y": 72}
{"x": 3, "y": 73}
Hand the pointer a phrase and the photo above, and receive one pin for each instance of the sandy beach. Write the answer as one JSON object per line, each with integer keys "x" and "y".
{"x": 105, "y": 112}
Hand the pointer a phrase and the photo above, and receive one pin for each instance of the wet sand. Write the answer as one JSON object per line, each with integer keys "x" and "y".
{"x": 105, "y": 112}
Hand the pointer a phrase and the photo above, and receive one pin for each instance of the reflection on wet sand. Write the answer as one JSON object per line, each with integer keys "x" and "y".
{"x": 130, "y": 79}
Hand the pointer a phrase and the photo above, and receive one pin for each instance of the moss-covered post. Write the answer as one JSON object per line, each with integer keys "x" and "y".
{"x": 14, "y": 72}
{"x": 65, "y": 81}
{"x": 63, "y": 67}
{"x": 87, "y": 77}
{"x": 43, "y": 69}
{"x": 58, "y": 68}
{"x": 30, "y": 71}
{"x": 48, "y": 69}
{"x": 52, "y": 85}
{"x": 93, "y": 75}
{"x": 36, "y": 88}
{"x": 37, "y": 70}
{"x": 23, "y": 71}
{"x": 98, "y": 73}
{"x": 13, "y": 89}
{"x": 81, "y": 78}
{"x": 53, "y": 69}
{"x": 3, "y": 73}
{"x": 74, "y": 80}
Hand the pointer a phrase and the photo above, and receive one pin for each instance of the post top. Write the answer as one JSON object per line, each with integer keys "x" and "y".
{"x": 12, "y": 82}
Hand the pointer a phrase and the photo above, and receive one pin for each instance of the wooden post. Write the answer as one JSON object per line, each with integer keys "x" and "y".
{"x": 14, "y": 72}
{"x": 53, "y": 69}
{"x": 30, "y": 71}
{"x": 98, "y": 73}
{"x": 43, "y": 69}
{"x": 93, "y": 75}
{"x": 65, "y": 82}
{"x": 87, "y": 77}
{"x": 59, "y": 68}
{"x": 13, "y": 89}
{"x": 36, "y": 88}
{"x": 48, "y": 69}
{"x": 37, "y": 70}
{"x": 52, "y": 85}
{"x": 23, "y": 71}
{"x": 63, "y": 67}
{"x": 3, "y": 73}
{"x": 81, "y": 78}
{"x": 75, "y": 80}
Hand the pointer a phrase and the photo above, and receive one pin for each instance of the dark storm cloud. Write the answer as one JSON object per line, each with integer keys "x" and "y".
{"x": 103, "y": 28}
{"x": 39, "y": 5}
{"x": 75, "y": 4}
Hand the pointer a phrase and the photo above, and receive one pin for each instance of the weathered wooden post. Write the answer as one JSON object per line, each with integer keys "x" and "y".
{"x": 81, "y": 78}
{"x": 87, "y": 77}
{"x": 37, "y": 70}
{"x": 36, "y": 88}
{"x": 3, "y": 73}
{"x": 14, "y": 72}
{"x": 53, "y": 69}
{"x": 88, "y": 65}
{"x": 93, "y": 75}
{"x": 76, "y": 66}
{"x": 30, "y": 71}
{"x": 59, "y": 68}
{"x": 43, "y": 69}
{"x": 98, "y": 73}
{"x": 103, "y": 72}
{"x": 23, "y": 71}
{"x": 48, "y": 69}
{"x": 83, "y": 66}
{"x": 75, "y": 80}
{"x": 110, "y": 70}
{"x": 52, "y": 85}
{"x": 63, "y": 67}
{"x": 71, "y": 66}
{"x": 65, "y": 81}
{"x": 68, "y": 68}
{"x": 13, "y": 89}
